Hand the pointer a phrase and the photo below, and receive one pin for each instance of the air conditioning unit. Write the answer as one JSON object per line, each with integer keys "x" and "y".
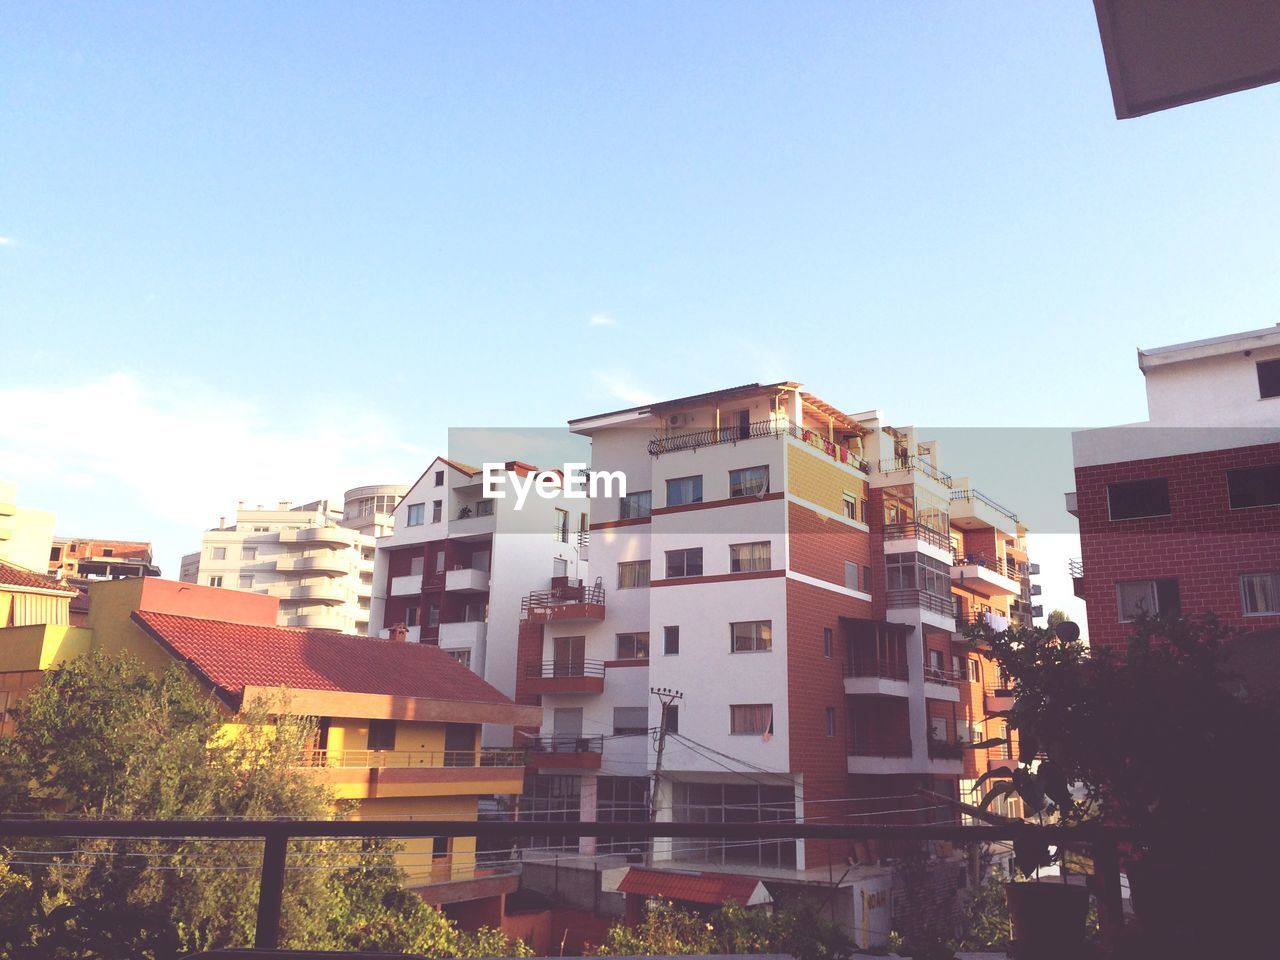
{"x": 679, "y": 420}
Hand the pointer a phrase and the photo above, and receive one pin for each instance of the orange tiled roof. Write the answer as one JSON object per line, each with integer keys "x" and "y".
{"x": 710, "y": 888}
{"x": 18, "y": 577}
{"x": 232, "y": 656}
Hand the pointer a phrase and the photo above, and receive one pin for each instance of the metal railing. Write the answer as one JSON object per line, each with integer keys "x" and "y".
{"x": 943, "y": 675}
{"x": 377, "y": 759}
{"x": 998, "y": 565}
{"x": 894, "y": 464}
{"x": 914, "y": 530}
{"x": 873, "y": 667}
{"x": 923, "y": 600}
{"x": 562, "y": 743}
{"x": 971, "y": 494}
{"x": 1075, "y": 567}
{"x": 735, "y": 433}
{"x": 551, "y": 669}
{"x": 575, "y": 592}
{"x": 946, "y": 749}
{"x": 1103, "y": 843}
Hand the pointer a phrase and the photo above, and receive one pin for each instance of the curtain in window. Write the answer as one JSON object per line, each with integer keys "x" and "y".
{"x": 1259, "y": 592}
{"x": 754, "y": 719}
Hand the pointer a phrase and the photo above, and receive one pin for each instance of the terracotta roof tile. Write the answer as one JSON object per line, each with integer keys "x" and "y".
{"x": 18, "y": 577}
{"x": 709, "y": 888}
{"x": 235, "y": 655}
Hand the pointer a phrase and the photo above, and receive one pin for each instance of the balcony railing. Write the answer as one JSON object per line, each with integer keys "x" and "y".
{"x": 551, "y": 669}
{"x": 1000, "y": 565}
{"x": 1075, "y": 567}
{"x": 572, "y": 593}
{"x": 871, "y": 667}
{"x": 943, "y": 675}
{"x": 913, "y": 530}
{"x": 883, "y": 747}
{"x": 923, "y": 600}
{"x": 560, "y": 743}
{"x": 971, "y": 494}
{"x": 735, "y": 433}
{"x": 946, "y": 749}
{"x": 894, "y": 464}
{"x": 399, "y": 759}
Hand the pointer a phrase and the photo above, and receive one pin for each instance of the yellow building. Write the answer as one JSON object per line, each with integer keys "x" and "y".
{"x": 26, "y": 535}
{"x": 399, "y": 723}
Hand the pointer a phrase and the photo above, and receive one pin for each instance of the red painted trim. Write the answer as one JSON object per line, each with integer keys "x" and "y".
{"x": 719, "y": 578}
{"x": 614, "y": 664}
{"x": 628, "y": 522}
{"x": 708, "y": 504}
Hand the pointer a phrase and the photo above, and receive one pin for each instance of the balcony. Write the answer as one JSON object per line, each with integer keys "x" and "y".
{"x": 1075, "y": 567}
{"x": 565, "y": 602}
{"x": 560, "y": 752}
{"x": 466, "y": 633}
{"x": 466, "y": 580}
{"x": 880, "y": 756}
{"x": 876, "y": 678}
{"x": 472, "y": 527}
{"x": 934, "y": 610}
{"x": 327, "y": 562}
{"x": 997, "y": 698}
{"x": 321, "y": 536}
{"x": 942, "y": 684}
{"x": 408, "y": 585}
{"x": 401, "y": 759}
{"x": 896, "y": 470}
{"x": 973, "y": 510}
{"x": 914, "y": 537}
{"x": 986, "y": 576}
{"x": 737, "y": 433}
{"x": 325, "y": 593}
{"x": 356, "y": 774}
{"x": 318, "y": 621}
{"x": 566, "y": 676}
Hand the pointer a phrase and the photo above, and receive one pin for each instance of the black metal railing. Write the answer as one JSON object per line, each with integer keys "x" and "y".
{"x": 566, "y": 743}
{"x": 922, "y": 599}
{"x": 873, "y": 667}
{"x": 1103, "y": 843}
{"x": 1075, "y": 567}
{"x": 998, "y": 565}
{"x": 574, "y": 592}
{"x": 735, "y": 433}
{"x": 914, "y": 530}
{"x": 550, "y": 669}
{"x": 832, "y": 450}
{"x": 893, "y": 464}
{"x": 978, "y": 495}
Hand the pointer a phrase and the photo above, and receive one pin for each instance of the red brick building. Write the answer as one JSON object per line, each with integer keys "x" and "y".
{"x": 1182, "y": 512}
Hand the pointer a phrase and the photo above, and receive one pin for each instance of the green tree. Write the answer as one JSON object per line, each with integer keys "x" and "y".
{"x": 102, "y": 738}
{"x": 1056, "y": 617}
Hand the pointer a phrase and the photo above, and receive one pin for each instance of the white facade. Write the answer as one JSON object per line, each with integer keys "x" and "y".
{"x": 458, "y": 566}
{"x": 315, "y": 558}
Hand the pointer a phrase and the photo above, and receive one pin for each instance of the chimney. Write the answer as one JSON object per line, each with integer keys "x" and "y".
{"x": 400, "y": 632}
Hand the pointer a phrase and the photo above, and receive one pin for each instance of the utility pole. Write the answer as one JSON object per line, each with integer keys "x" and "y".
{"x": 667, "y": 697}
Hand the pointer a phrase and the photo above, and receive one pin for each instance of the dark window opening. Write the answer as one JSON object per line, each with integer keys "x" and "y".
{"x": 1253, "y": 487}
{"x": 1132, "y": 499}
{"x": 1268, "y": 379}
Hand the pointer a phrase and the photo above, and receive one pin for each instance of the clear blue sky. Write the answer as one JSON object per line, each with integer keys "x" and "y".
{"x": 233, "y": 233}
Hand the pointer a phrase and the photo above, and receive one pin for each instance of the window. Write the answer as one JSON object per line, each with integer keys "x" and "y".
{"x": 561, "y": 531}
{"x": 215, "y": 581}
{"x": 440, "y": 560}
{"x": 218, "y": 553}
{"x": 1260, "y": 593}
{"x": 828, "y": 642}
{"x": 684, "y": 490}
{"x": 633, "y": 646}
{"x": 851, "y": 575}
{"x": 382, "y": 734}
{"x": 670, "y": 641}
{"x": 684, "y": 563}
{"x": 261, "y": 529}
{"x": 751, "y": 636}
{"x": 439, "y": 478}
{"x": 411, "y": 616}
{"x": 957, "y": 666}
{"x": 1137, "y": 598}
{"x": 415, "y": 565}
{"x": 733, "y": 802}
{"x": 433, "y": 615}
{"x": 831, "y": 721}
{"x": 437, "y": 510}
{"x": 915, "y": 571}
{"x": 248, "y": 553}
{"x": 246, "y": 581}
{"x": 633, "y": 573}
{"x": 55, "y": 553}
{"x": 938, "y": 729}
{"x": 866, "y": 579}
{"x": 622, "y": 800}
{"x": 750, "y": 719}
{"x": 484, "y": 508}
{"x": 630, "y": 721}
{"x": 636, "y": 505}
{"x": 975, "y": 671}
{"x": 935, "y": 661}
{"x": 749, "y": 482}
{"x": 461, "y": 656}
{"x": 414, "y": 516}
{"x": 1253, "y": 487}
{"x": 748, "y": 557}
{"x": 1268, "y": 379}
{"x": 850, "y": 507}
{"x": 108, "y": 551}
{"x": 1132, "y": 499}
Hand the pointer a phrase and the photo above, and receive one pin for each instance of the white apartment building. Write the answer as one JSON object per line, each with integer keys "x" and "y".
{"x": 458, "y": 567}
{"x": 316, "y": 558}
{"x": 800, "y": 575}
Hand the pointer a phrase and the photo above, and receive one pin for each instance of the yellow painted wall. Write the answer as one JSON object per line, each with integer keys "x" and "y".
{"x": 820, "y": 480}
{"x": 416, "y": 860}
{"x": 41, "y": 646}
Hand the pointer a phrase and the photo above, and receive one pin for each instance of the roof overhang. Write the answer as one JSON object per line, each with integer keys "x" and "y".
{"x": 1166, "y": 54}
{"x": 1211, "y": 347}
{"x": 377, "y": 706}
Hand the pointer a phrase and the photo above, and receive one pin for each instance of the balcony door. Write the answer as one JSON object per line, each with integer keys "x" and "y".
{"x": 566, "y": 724}
{"x": 569, "y": 656}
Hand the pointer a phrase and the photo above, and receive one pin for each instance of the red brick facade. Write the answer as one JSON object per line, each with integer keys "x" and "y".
{"x": 1202, "y": 543}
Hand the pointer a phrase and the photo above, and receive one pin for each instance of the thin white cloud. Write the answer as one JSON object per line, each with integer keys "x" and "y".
{"x": 8, "y": 242}
{"x": 619, "y": 385}
{"x": 601, "y": 320}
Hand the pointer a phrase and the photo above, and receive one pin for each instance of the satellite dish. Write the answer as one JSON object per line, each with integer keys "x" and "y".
{"x": 1067, "y": 631}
